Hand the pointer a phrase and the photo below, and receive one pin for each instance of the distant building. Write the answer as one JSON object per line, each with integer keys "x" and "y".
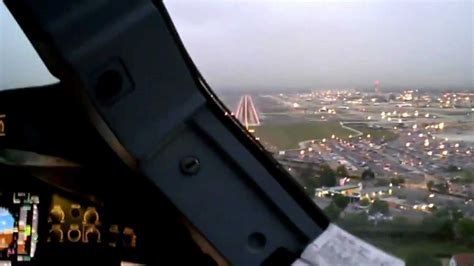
{"x": 462, "y": 259}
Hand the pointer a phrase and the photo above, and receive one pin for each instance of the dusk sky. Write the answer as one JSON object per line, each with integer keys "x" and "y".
{"x": 306, "y": 44}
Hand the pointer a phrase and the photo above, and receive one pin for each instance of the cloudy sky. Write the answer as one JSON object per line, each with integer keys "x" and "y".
{"x": 305, "y": 44}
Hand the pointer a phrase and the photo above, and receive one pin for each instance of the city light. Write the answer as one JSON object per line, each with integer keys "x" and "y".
{"x": 445, "y": 152}
{"x": 430, "y": 153}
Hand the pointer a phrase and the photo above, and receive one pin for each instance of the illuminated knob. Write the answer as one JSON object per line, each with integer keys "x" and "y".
{"x": 91, "y": 216}
{"x": 56, "y": 214}
{"x": 114, "y": 235}
{"x": 92, "y": 235}
{"x": 74, "y": 234}
{"x": 129, "y": 237}
{"x": 56, "y": 235}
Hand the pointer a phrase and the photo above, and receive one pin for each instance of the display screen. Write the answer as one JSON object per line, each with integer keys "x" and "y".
{"x": 18, "y": 226}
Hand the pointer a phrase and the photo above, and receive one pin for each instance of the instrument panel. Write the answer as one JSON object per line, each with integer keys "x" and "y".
{"x": 70, "y": 222}
{"x": 37, "y": 220}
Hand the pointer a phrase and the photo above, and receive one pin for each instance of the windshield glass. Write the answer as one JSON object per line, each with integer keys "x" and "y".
{"x": 367, "y": 104}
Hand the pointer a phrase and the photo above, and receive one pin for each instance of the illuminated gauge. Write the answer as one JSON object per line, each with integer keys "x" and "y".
{"x": 56, "y": 215}
{"x": 91, "y": 216}
{"x": 7, "y": 223}
{"x": 74, "y": 233}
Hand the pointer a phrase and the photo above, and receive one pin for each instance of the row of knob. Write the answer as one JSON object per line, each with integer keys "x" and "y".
{"x": 74, "y": 234}
{"x": 91, "y": 234}
{"x": 57, "y": 215}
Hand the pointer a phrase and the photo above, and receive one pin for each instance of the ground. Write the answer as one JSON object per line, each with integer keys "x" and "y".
{"x": 287, "y": 136}
{"x": 403, "y": 248}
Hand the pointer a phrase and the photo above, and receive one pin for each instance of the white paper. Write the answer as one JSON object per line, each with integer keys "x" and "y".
{"x": 336, "y": 247}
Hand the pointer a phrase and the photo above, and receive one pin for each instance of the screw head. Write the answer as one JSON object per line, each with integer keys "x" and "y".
{"x": 190, "y": 165}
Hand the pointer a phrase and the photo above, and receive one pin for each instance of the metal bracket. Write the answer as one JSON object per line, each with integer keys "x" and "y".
{"x": 144, "y": 92}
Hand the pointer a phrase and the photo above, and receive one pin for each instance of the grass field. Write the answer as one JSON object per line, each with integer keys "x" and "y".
{"x": 287, "y": 136}
{"x": 404, "y": 248}
{"x": 375, "y": 133}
